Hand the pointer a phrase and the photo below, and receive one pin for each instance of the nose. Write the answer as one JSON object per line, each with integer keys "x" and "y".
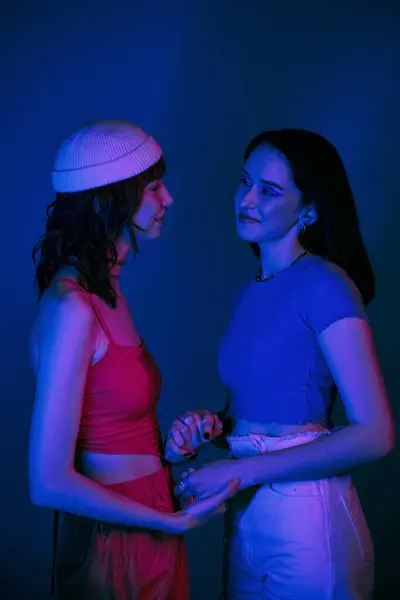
{"x": 167, "y": 198}
{"x": 250, "y": 198}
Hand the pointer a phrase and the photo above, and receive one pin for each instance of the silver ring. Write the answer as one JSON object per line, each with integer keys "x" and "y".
{"x": 182, "y": 486}
{"x": 204, "y": 421}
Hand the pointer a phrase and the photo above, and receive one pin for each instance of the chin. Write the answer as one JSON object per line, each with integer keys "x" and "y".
{"x": 246, "y": 235}
{"x": 147, "y": 236}
{"x": 154, "y": 234}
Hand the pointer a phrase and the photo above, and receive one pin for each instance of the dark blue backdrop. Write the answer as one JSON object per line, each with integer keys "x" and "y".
{"x": 203, "y": 77}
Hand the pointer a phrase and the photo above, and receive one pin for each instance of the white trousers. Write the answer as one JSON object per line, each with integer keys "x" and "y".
{"x": 298, "y": 540}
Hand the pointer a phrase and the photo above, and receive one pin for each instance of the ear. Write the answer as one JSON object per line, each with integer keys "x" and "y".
{"x": 308, "y": 216}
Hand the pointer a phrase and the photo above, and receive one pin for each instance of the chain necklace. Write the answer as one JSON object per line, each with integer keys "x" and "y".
{"x": 259, "y": 273}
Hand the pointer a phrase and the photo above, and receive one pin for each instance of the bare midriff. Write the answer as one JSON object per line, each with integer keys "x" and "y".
{"x": 108, "y": 469}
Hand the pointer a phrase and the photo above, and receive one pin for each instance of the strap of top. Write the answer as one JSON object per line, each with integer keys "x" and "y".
{"x": 92, "y": 302}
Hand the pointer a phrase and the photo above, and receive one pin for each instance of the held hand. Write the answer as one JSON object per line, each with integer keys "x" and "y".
{"x": 198, "y": 513}
{"x": 186, "y": 498}
{"x": 191, "y": 431}
{"x": 208, "y": 481}
{"x": 175, "y": 453}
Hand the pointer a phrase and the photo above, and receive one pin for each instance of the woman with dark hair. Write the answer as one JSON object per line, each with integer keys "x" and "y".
{"x": 298, "y": 334}
{"x": 95, "y": 446}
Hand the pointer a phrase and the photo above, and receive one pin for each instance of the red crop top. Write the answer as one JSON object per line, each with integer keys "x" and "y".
{"x": 121, "y": 394}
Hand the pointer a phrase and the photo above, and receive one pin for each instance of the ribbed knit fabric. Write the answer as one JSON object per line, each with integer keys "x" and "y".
{"x": 103, "y": 153}
{"x": 270, "y": 358}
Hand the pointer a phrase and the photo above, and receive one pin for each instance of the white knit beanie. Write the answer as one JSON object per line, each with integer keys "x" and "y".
{"x": 103, "y": 153}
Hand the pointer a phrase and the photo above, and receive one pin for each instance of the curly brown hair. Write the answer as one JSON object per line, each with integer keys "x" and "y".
{"x": 82, "y": 228}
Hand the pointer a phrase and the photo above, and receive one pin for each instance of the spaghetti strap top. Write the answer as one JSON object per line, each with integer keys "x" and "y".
{"x": 92, "y": 303}
{"x": 120, "y": 398}
{"x": 119, "y": 405}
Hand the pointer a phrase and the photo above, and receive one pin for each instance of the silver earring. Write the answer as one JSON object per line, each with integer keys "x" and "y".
{"x": 303, "y": 229}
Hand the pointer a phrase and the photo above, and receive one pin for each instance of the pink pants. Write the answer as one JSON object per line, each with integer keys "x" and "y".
{"x": 301, "y": 540}
{"x": 99, "y": 561}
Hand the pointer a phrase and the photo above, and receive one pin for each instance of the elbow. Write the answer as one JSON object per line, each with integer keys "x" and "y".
{"x": 46, "y": 494}
{"x": 385, "y": 440}
{"x": 389, "y": 435}
{"x": 390, "y": 442}
{"x": 40, "y": 494}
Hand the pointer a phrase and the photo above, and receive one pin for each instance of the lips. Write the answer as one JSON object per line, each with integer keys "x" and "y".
{"x": 247, "y": 218}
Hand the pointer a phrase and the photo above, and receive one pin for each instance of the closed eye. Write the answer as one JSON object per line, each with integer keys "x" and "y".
{"x": 155, "y": 186}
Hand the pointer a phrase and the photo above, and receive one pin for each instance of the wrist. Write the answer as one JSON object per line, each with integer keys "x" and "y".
{"x": 242, "y": 469}
{"x": 178, "y": 459}
{"x": 173, "y": 523}
{"x": 159, "y": 521}
{"x": 166, "y": 522}
{"x": 145, "y": 517}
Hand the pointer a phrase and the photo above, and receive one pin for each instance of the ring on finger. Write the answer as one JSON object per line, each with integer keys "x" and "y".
{"x": 182, "y": 486}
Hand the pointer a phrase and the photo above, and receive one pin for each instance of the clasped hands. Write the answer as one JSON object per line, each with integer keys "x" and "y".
{"x": 187, "y": 435}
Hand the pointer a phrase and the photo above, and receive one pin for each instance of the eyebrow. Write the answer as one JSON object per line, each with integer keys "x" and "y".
{"x": 276, "y": 185}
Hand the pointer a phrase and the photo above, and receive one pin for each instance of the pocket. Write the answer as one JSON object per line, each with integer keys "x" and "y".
{"x": 297, "y": 488}
{"x": 355, "y": 515}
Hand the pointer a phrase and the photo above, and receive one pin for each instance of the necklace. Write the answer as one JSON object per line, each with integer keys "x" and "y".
{"x": 259, "y": 275}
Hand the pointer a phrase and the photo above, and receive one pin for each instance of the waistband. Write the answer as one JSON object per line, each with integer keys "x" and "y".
{"x": 141, "y": 487}
{"x": 244, "y": 427}
{"x": 258, "y": 443}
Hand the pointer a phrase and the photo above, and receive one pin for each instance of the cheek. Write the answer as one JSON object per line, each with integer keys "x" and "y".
{"x": 281, "y": 217}
{"x": 147, "y": 210}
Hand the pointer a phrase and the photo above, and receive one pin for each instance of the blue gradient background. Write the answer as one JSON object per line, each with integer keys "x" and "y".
{"x": 203, "y": 77}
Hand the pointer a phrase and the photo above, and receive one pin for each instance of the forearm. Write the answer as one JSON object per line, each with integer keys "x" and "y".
{"x": 327, "y": 456}
{"x": 79, "y": 495}
{"x": 177, "y": 460}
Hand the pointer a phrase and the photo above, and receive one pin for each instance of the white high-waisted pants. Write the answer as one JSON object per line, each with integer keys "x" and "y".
{"x": 296, "y": 541}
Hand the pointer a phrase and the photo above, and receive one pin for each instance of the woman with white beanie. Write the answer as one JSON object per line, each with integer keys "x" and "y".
{"x": 95, "y": 446}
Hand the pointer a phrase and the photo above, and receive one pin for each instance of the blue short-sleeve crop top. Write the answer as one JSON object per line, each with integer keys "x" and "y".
{"x": 270, "y": 358}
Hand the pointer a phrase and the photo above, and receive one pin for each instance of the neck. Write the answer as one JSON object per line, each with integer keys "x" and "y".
{"x": 278, "y": 255}
{"x": 115, "y": 272}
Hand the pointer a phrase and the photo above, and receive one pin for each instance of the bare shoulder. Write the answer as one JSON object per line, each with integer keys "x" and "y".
{"x": 63, "y": 343}
{"x": 64, "y": 313}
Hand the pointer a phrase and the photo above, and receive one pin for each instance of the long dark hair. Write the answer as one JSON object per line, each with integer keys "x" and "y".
{"x": 85, "y": 226}
{"x": 319, "y": 174}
